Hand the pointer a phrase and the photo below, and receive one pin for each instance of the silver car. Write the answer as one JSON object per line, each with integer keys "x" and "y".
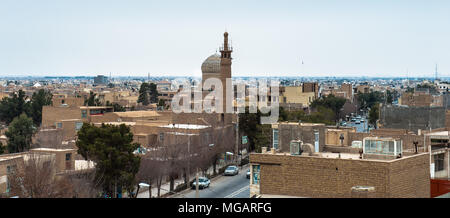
{"x": 203, "y": 182}
{"x": 231, "y": 171}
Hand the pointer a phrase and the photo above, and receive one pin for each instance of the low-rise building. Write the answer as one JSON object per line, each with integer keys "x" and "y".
{"x": 342, "y": 175}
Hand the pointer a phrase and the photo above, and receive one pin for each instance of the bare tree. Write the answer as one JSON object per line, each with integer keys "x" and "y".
{"x": 85, "y": 184}
{"x": 38, "y": 179}
{"x": 153, "y": 169}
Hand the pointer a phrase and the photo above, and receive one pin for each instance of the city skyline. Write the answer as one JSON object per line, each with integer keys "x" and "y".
{"x": 291, "y": 38}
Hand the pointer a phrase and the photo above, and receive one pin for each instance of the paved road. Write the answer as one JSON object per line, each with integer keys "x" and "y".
{"x": 362, "y": 127}
{"x": 223, "y": 187}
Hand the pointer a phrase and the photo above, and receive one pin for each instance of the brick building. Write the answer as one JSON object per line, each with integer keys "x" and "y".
{"x": 330, "y": 175}
{"x": 62, "y": 162}
{"x": 416, "y": 99}
{"x": 311, "y": 87}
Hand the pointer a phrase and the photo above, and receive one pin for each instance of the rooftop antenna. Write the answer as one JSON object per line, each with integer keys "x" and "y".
{"x": 407, "y": 76}
{"x": 436, "y": 72}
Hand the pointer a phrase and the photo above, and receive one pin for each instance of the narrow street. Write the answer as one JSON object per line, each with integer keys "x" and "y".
{"x": 237, "y": 186}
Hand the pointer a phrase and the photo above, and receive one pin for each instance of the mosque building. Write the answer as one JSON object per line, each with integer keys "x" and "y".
{"x": 218, "y": 66}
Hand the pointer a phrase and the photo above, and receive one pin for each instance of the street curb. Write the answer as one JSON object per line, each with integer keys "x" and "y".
{"x": 188, "y": 189}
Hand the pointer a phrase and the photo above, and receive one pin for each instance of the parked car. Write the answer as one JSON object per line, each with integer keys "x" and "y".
{"x": 248, "y": 174}
{"x": 231, "y": 170}
{"x": 203, "y": 182}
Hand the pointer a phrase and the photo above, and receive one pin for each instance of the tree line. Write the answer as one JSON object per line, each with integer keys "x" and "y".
{"x": 23, "y": 116}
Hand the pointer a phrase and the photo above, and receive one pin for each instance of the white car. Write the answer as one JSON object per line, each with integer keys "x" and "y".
{"x": 203, "y": 182}
{"x": 231, "y": 170}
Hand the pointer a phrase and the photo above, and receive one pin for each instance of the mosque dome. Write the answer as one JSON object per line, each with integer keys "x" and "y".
{"x": 211, "y": 64}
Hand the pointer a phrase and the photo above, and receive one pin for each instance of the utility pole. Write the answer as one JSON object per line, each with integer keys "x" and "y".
{"x": 189, "y": 158}
{"x": 196, "y": 184}
{"x": 237, "y": 137}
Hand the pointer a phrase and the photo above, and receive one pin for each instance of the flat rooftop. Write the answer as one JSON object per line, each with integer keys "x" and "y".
{"x": 117, "y": 123}
{"x": 51, "y": 149}
{"x": 95, "y": 107}
{"x": 300, "y": 124}
{"x": 344, "y": 156}
{"x": 185, "y": 126}
{"x": 138, "y": 114}
{"x": 441, "y": 133}
{"x": 9, "y": 157}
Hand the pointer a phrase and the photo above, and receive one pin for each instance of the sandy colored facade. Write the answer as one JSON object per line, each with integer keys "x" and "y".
{"x": 295, "y": 95}
{"x": 333, "y": 177}
{"x": 417, "y": 99}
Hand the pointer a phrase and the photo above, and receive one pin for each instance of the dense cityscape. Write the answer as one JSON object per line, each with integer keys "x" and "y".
{"x": 61, "y": 121}
{"x": 225, "y": 109}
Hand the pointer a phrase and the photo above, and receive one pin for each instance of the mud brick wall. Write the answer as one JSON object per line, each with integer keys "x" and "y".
{"x": 317, "y": 177}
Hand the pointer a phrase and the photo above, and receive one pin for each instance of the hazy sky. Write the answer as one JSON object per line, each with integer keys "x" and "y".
{"x": 270, "y": 38}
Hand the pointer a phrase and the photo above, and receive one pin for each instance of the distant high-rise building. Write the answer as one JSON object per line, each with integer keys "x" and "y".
{"x": 100, "y": 80}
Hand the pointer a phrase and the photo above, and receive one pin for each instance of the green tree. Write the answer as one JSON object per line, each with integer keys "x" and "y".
{"x": 389, "y": 97}
{"x": 92, "y": 100}
{"x": 111, "y": 148}
{"x": 13, "y": 106}
{"x": 263, "y": 137}
{"x": 374, "y": 114}
{"x": 332, "y": 102}
{"x": 431, "y": 88}
{"x": 153, "y": 93}
{"x": 144, "y": 94}
{"x": 258, "y": 134}
{"x": 367, "y": 100}
{"x": 2, "y": 149}
{"x": 248, "y": 124}
{"x": 410, "y": 89}
{"x": 117, "y": 107}
{"x": 19, "y": 134}
{"x": 161, "y": 103}
{"x": 148, "y": 94}
{"x": 38, "y": 100}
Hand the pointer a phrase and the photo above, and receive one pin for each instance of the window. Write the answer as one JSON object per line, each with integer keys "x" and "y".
{"x": 11, "y": 169}
{"x": 78, "y": 125}
{"x": 439, "y": 162}
{"x": 161, "y": 137}
{"x": 83, "y": 113}
{"x": 256, "y": 170}
{"x": 68, "y": 156}
{"x": 59, "y": 125}
{"x": 275, "y": 138}
{"x": 391, "y": 146}
{"x": 399, "y": 147}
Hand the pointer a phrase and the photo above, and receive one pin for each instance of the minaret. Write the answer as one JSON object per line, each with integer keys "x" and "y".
{"x": 225, "y": 66}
